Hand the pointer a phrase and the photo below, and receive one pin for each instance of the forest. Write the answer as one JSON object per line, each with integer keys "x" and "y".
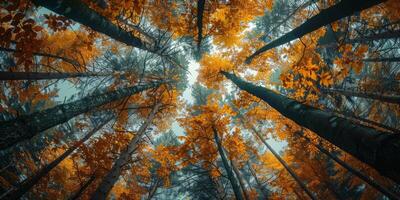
{"x": 200, "y": 99}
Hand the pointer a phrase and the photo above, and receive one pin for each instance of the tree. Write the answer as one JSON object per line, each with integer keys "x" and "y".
{"x": 342, "y": 132}
{"x": 25, "y": 127}
{"x": 31, "y": 181}
{"x": 112, "y": 176}
{"x": 342, "y": 9}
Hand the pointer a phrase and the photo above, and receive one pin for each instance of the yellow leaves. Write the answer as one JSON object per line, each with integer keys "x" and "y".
{"x": 211, "y": 65}
{"x": 220, "y": 14}
{"x": 326, "y": 79}
{"x": 215, "y": 173}
{"x": 270, "y": 161}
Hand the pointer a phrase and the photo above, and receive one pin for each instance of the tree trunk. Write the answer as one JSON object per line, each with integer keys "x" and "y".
{"x": 25, "y": 127}
{"x": 381, "y": 97}
{"x": 200, "y": 11}
{"x": 113, "y": 175}
{"x": 83, "y": 188}
{"x": 365, "y": 39}
{"x": 81, "y": 13}
{"x": 379, "y": 149}
{"x": 356, "y": 172}
{"x": 68, "y": 60}
{"x": 263, "y": 190}
{"x": 378, "y": 36}
{"x": 342, "y": 9}
{"x": 358, "y": 119}
{"x": 393, "y": 59}
{"x": 45, "y": 75}
{"x": 285, "y": 165}
{"x": 240, "y": 179}
{"x": 153, "y": 189}
{"x": 228, "y": 169}
{"x": 26, "y": 185}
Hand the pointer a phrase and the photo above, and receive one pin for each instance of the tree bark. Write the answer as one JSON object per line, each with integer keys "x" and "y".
{"x": 240, "y": 179}
{"x": 81, "y": 13}
{"x": 68, "y": 60}
{"x": 25, "y": 127}
{"x": 392, "y": 59}
{"x": 45, "y": 75}
{"x": 379, "y": 149}
{"x": 112, "y": 176}
{"x": 83, "y": 188}
{"x": 381, "y": 97}
{"x": 228, "y": 169}
{"x": 358, "y": 119}
{"x": 342, "y": 9}
{"x": 356, "y": 172}
{"x": 200, "y": 11}
{"x": 26, "y": 185}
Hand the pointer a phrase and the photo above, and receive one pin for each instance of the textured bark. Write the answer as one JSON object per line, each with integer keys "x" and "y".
{"x": 228, "y": 169}
{"x": 356, "y": 172}
{"x": 393, "y": 59}
{"x": 381, "y": 97}
{"x": 200, "y": 11}
{"x": 240, "y": 179}
{"x": 83, "y": 188}
{"x": 342, "y": 9}
{"x": 68, "y": 60}
{"x": 81, "y": 13}
{"x": 45, "y": 75}
{"x": 112, "y": 176}
{"x": 25, "y": 127}
{"x": 26, "y": 185}
{"x": 379, "y": 149}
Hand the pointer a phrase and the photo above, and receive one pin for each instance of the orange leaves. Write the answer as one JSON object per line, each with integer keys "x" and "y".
{"x": 326, "y": 79}
{"x": 211, "y": 65}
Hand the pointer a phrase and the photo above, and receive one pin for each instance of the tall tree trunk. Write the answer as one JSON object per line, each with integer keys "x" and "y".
{"x": 45, "y": 75}
{"x": 379, "y": 149}
{"x": 379, "y": 36}
{"x": 200, "y": 12}
{"x": 153, "y": 189}
{"x": 68, "y": 60}
{"x": 83, "y": 188}
{"x": 356, "y": 172}
{"x": 348, "y": 93}
{"x": 342, "y": 9}
{"x": 25, "y": 127}
{"x": 240, "y": 179}
{"x": 81, "y": 13}
{"x": 26, "y": 185}
{"x": 113, "y": 175}
{"x": 392, "y": 59}
{"x": 301, "y": 7}
{"x": 358, "y": 119}
{"x": 228, "y": 169}
{"x": 262, "y": 189}
{"x": 284, "y": 164}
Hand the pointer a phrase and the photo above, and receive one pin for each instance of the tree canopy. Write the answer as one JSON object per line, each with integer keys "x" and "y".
{"x": 257, "y": 99}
